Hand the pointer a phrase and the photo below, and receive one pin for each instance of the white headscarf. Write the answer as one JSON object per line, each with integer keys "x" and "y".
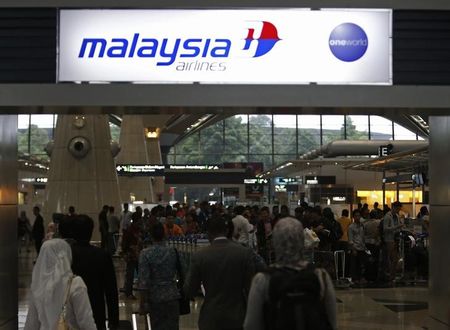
{"x": 51, "y": 275}
{"x": 288, "y": 242}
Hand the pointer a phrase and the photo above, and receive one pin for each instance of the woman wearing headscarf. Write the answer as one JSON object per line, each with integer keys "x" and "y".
{"x": 288, "y": 243}
{"x": 51, "y": 279}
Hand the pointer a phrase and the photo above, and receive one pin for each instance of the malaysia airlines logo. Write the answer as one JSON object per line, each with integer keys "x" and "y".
{"x": 185, "y": 54}
{"x": 266, "y": 41}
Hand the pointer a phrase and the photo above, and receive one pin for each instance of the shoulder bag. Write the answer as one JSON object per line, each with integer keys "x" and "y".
{"x": 62, "y": 321}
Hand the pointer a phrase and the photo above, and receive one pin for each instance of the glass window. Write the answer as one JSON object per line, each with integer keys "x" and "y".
{"x": 284, "y": 134}
{"x": 380, "y": 128}
{"x": 357, "y": 127}
{"x": 211, "y": 139}
{"x": 260, "y": 134}
{"x": 278, "y": 159}
{"x": 22, "y": 134}
{"x": 233, "y": 159}
{"x": 41, "y": 132}
{"x": 236, "y": 138}
{"x": 332, "y": 128}
{"x": 23, "y": 121}
{"x": 187, "y": 151}
{"x": 308, "y": 133}
{"x": 171, "y": 158}
{"x": 191, "y": 159}
{"x": 265, "y": 159}
{"x": 401, "y": 133}
{"x": 115, "y": 131}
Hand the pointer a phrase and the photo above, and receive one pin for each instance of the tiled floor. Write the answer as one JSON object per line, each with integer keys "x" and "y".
{"x": 387, "y": 309}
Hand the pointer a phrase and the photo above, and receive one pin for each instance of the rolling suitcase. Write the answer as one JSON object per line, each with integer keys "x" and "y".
{"x": 135, "y": 324}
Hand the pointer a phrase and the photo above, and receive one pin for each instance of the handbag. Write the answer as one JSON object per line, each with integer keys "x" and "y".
{"x": 185, "y": 307}
{"x": 62, "y": 322}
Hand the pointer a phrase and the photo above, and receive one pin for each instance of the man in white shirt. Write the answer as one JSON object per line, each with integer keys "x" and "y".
{"x": 125, "y": 220}
{"x": 242, "y": 226}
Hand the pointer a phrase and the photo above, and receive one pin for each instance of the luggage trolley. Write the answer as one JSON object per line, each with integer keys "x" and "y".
{"x": 342, "y": 282}
{"x": 331, "y": 262}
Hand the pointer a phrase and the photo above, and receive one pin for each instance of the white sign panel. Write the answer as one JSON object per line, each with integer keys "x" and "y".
{"x": 286, "y": 46}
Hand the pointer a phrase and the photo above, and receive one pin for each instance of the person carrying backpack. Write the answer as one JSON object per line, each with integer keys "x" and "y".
{"x": 292, "y": 294}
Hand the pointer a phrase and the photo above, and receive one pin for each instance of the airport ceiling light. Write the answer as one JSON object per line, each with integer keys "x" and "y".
{"x": 152, "y": 132}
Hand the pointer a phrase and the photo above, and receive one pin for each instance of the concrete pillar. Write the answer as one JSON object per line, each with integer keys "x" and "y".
{"x": 134, "y": 151}
{"x": 439, "y": 277}
{"x": 82, "y": 170}
{"x": 154, "y": 157}
{"x": 8, "y": 223}
{"x": 154, "y": 149}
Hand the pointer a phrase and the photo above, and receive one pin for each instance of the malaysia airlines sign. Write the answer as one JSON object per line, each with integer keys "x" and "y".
{"x": 286, "y": 46}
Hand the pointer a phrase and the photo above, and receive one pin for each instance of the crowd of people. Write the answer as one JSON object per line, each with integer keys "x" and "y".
{"x": 265, "y": 255}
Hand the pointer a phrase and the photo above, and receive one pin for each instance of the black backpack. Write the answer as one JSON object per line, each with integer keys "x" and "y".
{"x": 336, "y": 231}
{"x": 294, "y": 301}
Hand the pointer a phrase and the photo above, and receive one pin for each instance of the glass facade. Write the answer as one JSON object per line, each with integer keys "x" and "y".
{"x": 33, "y": 134}
{"x": 270, "y": 139}
{"x": 273, "y": 139}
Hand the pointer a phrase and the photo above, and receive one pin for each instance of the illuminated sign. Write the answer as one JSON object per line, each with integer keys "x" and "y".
{"x": 386, "y": 150}
{"x": 193, "y": 167}
{"x": 159, "y": 170}
{"x": 260, "y": 46}
{"x": 280, "y": 188}
{"x": 254, "y": 190}
{"x": 320, "y": 179}
{"x": 256, "y": 181}
{"x": 140, "y": 170}
{"x": 284, "y": 181}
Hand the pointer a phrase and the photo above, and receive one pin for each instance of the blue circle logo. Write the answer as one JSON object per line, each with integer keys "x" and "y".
{"x": 348, "y": 42}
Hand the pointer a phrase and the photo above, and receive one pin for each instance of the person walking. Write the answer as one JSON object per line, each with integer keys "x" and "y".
{"x": 38, "y": 231}
{"x": 113, "y": 230}
{"x": 103, "y": 226}
{"x": 272, "y": 303}
{"x": 391, "y": 227}
{"x": 24, "y": 231}
{"x": 54, "y": 286}
{"x": 225, "y": 268}
{"x": 95, "y": 266}
{"x": 131, "y": 248}
{"x": 357, "y": 244}
{"x": 159, "y": 291}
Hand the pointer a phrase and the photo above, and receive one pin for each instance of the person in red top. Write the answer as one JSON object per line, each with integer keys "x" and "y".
{"x": 170, "y": 228}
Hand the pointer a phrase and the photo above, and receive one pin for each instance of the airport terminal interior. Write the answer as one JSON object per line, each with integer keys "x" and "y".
{"x": 134, "y": 119}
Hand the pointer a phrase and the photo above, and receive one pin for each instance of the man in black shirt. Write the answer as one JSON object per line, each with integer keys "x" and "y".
{"x": 96, "y": 268}
{"x": 38, "y": 231}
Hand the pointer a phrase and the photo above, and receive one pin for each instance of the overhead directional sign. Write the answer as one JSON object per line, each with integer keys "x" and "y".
{"x": 256, "y": 181}
{"x": 140, "y": 170}
{"x": 160, "y": 170}
{"x": 193, "y": 167}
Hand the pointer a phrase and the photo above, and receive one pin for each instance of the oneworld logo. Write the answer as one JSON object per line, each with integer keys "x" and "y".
{"x": 348, "y": 42}
{"x": 167, "y": 51}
